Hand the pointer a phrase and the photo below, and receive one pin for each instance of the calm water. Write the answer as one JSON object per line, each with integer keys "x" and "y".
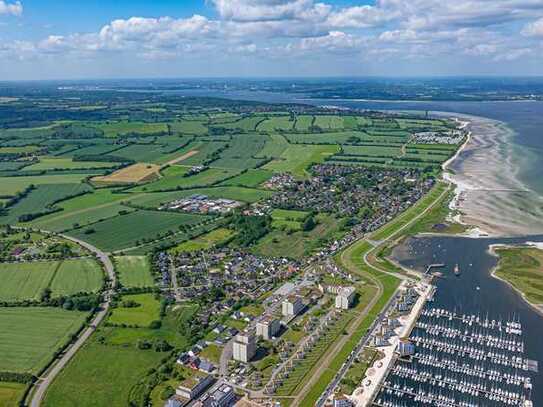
{"x": 493, "y": 297}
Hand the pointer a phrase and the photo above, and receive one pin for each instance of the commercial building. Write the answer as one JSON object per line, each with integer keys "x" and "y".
{"x": 224, "y": 396}
{"x": 293, "y": 305}
{"x": 406, "y": 347}
{"x": 244, "y": 347}
{"x": 268, "y": 327}
{"x": 345, "y": 297}
{"x": 191, "y": 388}
{"x": 342, "y": 401}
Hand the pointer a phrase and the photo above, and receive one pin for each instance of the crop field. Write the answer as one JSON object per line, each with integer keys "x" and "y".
{"x": 25, "y": 281}
{"x": 147, "y": 311}
{"x": 30, "y": 336}
{"x": 276, "y": 123}
{"x": 241, "y": 152}
{"x": 329, "y": 122}
{"x": 125, "y": 231}
{"x": 297, "y": 158}
{"x": 46, "y": 163}
{"x": 134, "y": 271}
{"x": 11, "y": 393}
{"x": 135, "y": 173}
{"x": 114, "y": 129}
{"x": 246, "y": 124}
{"x": 18, "y": 150}
{"x": 173, "y": 178}
{"x": 74, "y": 276}
{"x": 303, "y": 123}
{"x": 372, "y": 150}
{"x": 274, "y": 146}
{"x": 41, "y": 200}
{"x": 188, "y": 127}
{"x": 339, "y": 137}
{"x": 205, "y": 241}
{"x": 252, "y": 178}
{"x": 12, "y": 185}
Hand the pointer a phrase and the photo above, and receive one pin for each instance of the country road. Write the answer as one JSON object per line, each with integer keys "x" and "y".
{"x": 43, "y": 383}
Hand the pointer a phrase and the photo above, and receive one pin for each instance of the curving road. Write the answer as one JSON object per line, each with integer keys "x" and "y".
{"x": 41, "y": 386}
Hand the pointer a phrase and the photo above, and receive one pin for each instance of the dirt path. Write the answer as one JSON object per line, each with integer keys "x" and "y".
{"x": 182, "y": 158}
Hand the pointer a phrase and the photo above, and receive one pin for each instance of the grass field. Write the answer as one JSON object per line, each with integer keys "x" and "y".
{"x": 287, "y": 219}
{"x": 173, "y": 178}
{"x": 125, "y": 231}
{"x": 252, "y": 178}
{"x": 274, "y": 147}
{"x": 11, "y": 394}
{"x": 297, "y": 158}
{"x": 12, "y": 185}
{"x": 30, "y": 336}
{"x": 134, "y": 271}
{"x": 26, "y": 281}
{"x": 114, "y": 129}
{"x": 142, "y": 315}
{"x": 74, "y": 276}
{"x": 523, "y": 269}
{"x": 140, "y": 172}
{"x": 205, "y": 241}
{"x": 47, "y": 163}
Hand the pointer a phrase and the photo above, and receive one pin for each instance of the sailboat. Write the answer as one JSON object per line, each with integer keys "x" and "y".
{"x": 456, "y": 270}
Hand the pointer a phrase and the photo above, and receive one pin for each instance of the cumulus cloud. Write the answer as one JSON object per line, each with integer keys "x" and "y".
{"x": 14, "y": 9}
{"x": 533, "y": 29}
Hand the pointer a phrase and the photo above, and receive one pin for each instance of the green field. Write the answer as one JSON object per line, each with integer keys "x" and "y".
{"x": 11, "y": 394}
{"x": 523, "y": 269}
{"x": 287, "y": 219}
{"x": 205, "y": 241}
{"x": 114, "y": 129}
{"x": 74, "y": 276}
{"x": 141, "y": 316}
{"x": 297, "y": 158}
{"x": 134, "y": 271}
{"x": 30, "y": 336}
{"x": 125, "y": 231}
{"x": 47, "y": 163}
{"x": 26, "y": 281}
{"x": 251, "y": 178}
{"x": 12, "y": 185}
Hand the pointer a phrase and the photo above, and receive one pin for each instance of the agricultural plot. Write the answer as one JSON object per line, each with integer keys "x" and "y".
{"x": 134, "y": 271}
{"x": 10, "y": 186}
{"x": 25, "y": 281}
{"x": 114, "y": 129}
{"x": 303, "y": 123}
{"x": 47, "y": 163}
{"x": 279, "y": 123}
{"x": 132, "y": 174}
{"x": 241, "y": 152}
{"x": 30, "y": 336}
{"x": 382, "y": 150}
{"x": 207, "y": 151}
{"x": 339, "y": 137}
{"x": 75, "y": 150}
{"x": 75, "y": 276}
{"x": 288, "y": 220}
{"x": 205, "y": 241}
{"x": 274, "y": 146}
{"x": 11, "y": 393}
{"x": 19, "y": 150}
{"x": 329, "y": 122}
{"x": 141, "y": 315}
{"x": 297, "y": 158}
{"x": 252, "y": 178}
{"x": 246, "y": 124}
{"x": 12, "y": 165}
{"x": 188, "y": 127}
{"x": 42, "y": 200}
{"x": 174, "y": 178}
{"x": 83, "y": 210}
{"x": 125, "y": 231}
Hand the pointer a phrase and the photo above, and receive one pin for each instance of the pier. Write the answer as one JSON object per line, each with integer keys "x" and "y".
{"x": 433, "y": 266}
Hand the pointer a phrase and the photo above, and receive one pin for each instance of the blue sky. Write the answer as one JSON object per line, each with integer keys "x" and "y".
{"x": 56, "y": 39}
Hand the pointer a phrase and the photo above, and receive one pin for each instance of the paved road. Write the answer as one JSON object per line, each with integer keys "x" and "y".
{"x": 41, "y": 386}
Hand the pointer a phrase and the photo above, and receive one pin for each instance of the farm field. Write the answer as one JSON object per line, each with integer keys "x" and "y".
{"x": 297, "y": 158}
{"x": 74, "y": 276}
{"x": 135, "y": 173}
{"x": 134, "y": 271}
{"x": 205, "y": 241}
{"x": 147, "y": 311}
{"x": 125, "y": 231}
{"x": 26, "y": 281}
{"x": 47, "y": 163}
{"x": 30, "y": 336}
{"x": 11, "y": 393}
{"x": 12, "y": 185}
{"x": 274, "y": 146}
{"x": 251, "y": 178}
{"x": 114, "y": 129}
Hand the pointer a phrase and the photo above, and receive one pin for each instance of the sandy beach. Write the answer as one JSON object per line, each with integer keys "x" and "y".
{"x": 489, "y": 195}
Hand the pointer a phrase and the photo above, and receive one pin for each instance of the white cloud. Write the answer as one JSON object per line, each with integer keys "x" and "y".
{"x": 14, "y": 9}
{"x": 533, "y": 29}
